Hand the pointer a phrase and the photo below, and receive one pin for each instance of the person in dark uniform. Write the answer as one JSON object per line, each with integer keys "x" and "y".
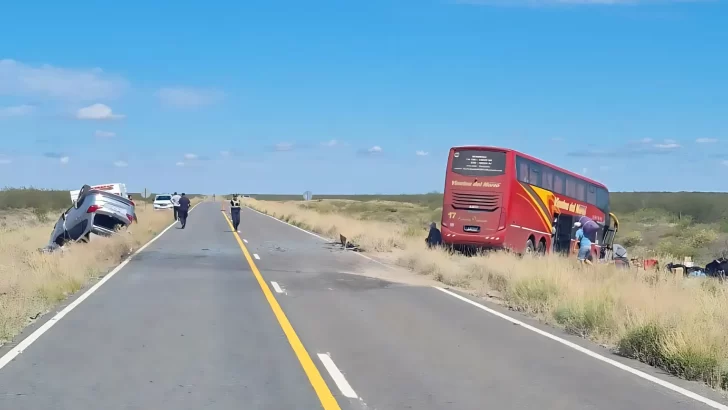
{"x": 235, "y": 212}
{"x": 184, "y": 209}
{"x": 434, "y": 238}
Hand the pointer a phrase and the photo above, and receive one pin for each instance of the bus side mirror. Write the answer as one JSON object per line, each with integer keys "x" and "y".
{"x": 553, "y": 230}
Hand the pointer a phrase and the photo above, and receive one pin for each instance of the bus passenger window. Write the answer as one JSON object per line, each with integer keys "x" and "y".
{"x": 602, "y": 199}
{"x": 591, "y": 194}
{"x": 580, "y": 191}
{"x": 534, "y": 174}
{"x": 558, "y": 183}
{"x": 523, "y": 171}
{"x": 570, "y": 187}
{"x": 547, "y": 179}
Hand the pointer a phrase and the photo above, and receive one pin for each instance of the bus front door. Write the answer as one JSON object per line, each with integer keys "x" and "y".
{"x": 562, "y": 238}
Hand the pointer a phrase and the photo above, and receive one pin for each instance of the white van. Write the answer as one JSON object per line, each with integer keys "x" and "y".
{"x": 163, "y": 201}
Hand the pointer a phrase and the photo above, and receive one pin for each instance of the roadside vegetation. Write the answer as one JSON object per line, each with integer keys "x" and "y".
{"x": 31, "y": 283}
{"x": 675, "y": 323}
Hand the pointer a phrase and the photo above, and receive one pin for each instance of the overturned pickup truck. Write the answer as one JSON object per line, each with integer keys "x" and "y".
{"x": 100, "y": 210}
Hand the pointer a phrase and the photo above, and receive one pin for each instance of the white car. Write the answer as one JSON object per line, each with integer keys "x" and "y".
{"x": 163, "y": 202}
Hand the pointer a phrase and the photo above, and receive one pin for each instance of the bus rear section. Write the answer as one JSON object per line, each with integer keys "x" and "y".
{"x": 475, "y": 200}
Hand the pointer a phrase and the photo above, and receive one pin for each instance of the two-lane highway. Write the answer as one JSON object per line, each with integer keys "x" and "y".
{"x": 274, "y": 318}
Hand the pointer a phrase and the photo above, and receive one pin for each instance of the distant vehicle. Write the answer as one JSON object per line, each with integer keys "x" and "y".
{"x": 163, "y": 202}
{"x": 502, "y": 198}
{"x": 246, "y": 196}
{"x": 93, "y": 211}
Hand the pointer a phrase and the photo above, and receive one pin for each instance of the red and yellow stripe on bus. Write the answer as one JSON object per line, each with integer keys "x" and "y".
{"x": 542, "y": 201}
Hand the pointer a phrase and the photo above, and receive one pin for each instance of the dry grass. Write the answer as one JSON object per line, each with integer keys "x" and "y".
{"x": 680, "y": 325}
{"x": 32, "y": 282}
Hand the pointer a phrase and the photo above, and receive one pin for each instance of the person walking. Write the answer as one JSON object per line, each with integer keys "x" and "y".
{"x": 184, "y": 209}
{"x": 175, "y": 204}
{"x": 235, "y": 212}
{"x": 584, "y": 244}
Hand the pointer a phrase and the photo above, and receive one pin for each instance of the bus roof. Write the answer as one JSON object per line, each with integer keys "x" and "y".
{"x": 532, "y": 158}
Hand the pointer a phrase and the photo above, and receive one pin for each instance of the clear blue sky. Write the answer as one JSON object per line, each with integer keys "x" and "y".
{"x": 285, "y": 96}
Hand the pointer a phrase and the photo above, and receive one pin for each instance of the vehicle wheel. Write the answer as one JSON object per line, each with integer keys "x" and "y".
{"x": 530, "y": 247}
{"x": 541, "y": 248}
{"x": 86, "y": 238}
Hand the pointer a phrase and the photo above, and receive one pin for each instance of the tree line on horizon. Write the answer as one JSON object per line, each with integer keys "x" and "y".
{"x": 702, "y": 207}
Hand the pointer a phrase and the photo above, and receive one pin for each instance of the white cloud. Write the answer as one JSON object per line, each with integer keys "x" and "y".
{"x": 422, "y": 153}
{"x": 191, "y": 156}
{"x": 557, "y": 139}
{"x": 5, "y": 161}
{"x": 645, "y": 140}
{"x": 225, "y": 153}
{"x": 180, "y": 164}
{"x": 330, "y": 143}
{"x": 120, "y": 164}
{"x": 584, "y": 171}
{"x": 105, "y": 134}
{"x": 16, "y": 111}
{"x": 668, "y": 144}
{"x": 184, "y": 97}
{"x": 64, "y": 160}
{"x": 604, "y": 168}
{"x": 46, "y": 81}
{"x": 97, "y": 112}
{"x": 706, "y": 140}
{"x": 375, "y": 149}
{"x": 283, "y": 146}
{"x": 724, "y": 162}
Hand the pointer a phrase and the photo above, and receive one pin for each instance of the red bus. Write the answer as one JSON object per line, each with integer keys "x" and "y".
{"x": 501, "y": 198}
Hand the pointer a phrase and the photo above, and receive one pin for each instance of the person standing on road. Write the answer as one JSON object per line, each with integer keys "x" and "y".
{"x": 235, "y": 212}
{"x": 175, "y": 204}
{"x": 184, "y": 209}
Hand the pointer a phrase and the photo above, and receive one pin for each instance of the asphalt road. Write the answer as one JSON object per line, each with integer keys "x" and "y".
{"x": 196, "y": 322}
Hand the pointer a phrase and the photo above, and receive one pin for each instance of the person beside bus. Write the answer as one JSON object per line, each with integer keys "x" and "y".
{"x": 235, "y": 212}
{"x": 434, "y": 238}
{"x": 584, "y": 244}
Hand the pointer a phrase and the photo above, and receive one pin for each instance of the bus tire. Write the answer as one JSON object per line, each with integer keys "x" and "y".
{"x": 541, "y": 248}
{"x": 530, "y": 247}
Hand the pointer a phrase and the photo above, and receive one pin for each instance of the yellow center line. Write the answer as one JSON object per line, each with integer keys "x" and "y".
{"x": 314, "y": 376}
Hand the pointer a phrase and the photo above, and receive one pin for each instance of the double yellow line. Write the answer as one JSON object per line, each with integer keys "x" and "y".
{"x": 314, "y": 376}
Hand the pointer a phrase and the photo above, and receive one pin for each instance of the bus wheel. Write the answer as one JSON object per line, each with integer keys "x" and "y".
{"x": 530, "y": 247}
{"x": 541, "y": 248}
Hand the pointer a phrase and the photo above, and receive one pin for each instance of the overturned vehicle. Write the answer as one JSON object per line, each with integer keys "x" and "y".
{"x": 101, "y": 210}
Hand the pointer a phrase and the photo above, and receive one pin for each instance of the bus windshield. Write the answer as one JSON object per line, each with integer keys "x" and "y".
{"x": 477, "y": 163}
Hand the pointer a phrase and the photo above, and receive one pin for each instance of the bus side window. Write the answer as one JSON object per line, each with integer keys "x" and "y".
{"x": 547, "y": 181}
{"x": 591, "y": 194}
{"x": 523, "y": 172}
{"x": 580, "y": 191}
{"x": 558, "y": 183}
{"x": 570, "y": 187}
{"x": 602, "y": 199}
{"x": 534, "y": 174}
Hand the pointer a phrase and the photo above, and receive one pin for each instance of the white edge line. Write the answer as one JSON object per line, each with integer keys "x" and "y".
{"x": 256, "y": 256}
{"x": 685, "y": 392}
{"x": 276, "y": 286}
{"x": 318, "y": 236}
{"x": 25, "y": 343}
{"x": 338, "y": 377}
